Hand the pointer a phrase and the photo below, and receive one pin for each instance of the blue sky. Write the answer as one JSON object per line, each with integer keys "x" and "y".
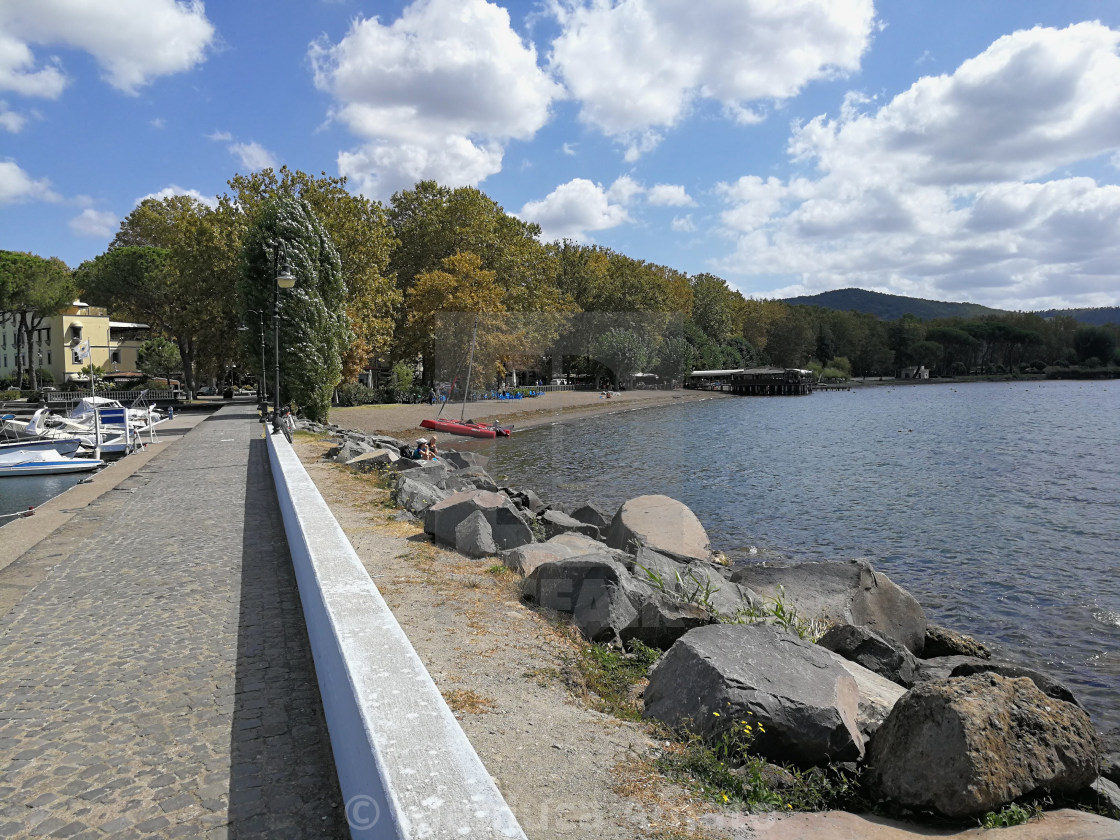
{"x": 951, "y": 150}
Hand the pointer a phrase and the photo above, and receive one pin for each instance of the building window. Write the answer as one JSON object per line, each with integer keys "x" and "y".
{"x": 76, "y": 331}
{"x": 48, "y": 336}
{"x": 48, "y": 357}
{"x": 76, "y": 358}
{"x": 115, "y": 357}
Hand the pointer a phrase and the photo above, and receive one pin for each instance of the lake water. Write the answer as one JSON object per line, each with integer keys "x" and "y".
{"x": 996, "y": 504}
{"x": 26, "y": 491}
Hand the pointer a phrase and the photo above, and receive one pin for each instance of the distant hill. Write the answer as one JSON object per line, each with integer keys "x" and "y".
{"x": 892, "y": 307}
{"x": 1098, "y": 317}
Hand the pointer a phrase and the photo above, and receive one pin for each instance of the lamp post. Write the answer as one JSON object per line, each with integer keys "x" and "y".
{"x": 284, "y": 280}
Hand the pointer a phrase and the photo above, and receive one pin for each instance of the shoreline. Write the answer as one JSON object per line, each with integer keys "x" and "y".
{"x": 403, "y": 421}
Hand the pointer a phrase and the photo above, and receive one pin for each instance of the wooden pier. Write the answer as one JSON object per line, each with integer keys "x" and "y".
{"x": 754, "y": 382}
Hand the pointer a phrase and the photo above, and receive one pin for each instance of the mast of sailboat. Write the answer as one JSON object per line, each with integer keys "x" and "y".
{"x": 470, "y": 362}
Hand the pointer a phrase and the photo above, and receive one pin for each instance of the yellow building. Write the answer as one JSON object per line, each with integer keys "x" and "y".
{"x": 113, "y": 345}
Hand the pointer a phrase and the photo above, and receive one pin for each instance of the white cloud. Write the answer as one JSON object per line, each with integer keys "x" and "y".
{"x": 943, "y": 192}
{"x": 641, "y": 64}
{"x": 17, "y": 186}
{"x": 436, "y": 94}
{"x": 10, "y": 120}
{"x": 158, "y": 122}
{"x": 18, "y": 73}
{"x": 94, "y": 223}
{"x": 253, "y": 156}
{"x": 669, "y": 195}
{"x": 575, "y": 208}
{"x": 568, "y": 149}
{"x": 133, "y": 41}
{"x": 167, "y": 192}
{"x": 624, "y": 189}
{"x": 684, "y": 224}
{"x": 219, "y": 136}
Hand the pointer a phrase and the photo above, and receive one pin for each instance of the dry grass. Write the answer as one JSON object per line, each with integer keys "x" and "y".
{"x": 465, "y": 701}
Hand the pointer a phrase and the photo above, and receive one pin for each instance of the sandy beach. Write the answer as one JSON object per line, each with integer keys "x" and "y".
{"x": 403, "y": 421}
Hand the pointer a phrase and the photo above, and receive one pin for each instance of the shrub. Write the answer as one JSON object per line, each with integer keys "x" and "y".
{"x": 354, "y": 393}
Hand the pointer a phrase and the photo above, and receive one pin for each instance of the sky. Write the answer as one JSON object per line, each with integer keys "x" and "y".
{"x": 943, "y": 149}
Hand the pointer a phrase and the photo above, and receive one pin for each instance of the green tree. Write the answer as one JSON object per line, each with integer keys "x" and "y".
{"x": 174, "y": 266}
{"x": 1094, "y": 343}
{"x": 32, "y": 289}
{"x": 159, "y": 357}
{"x": 712, "y": 307}
{"x": 625, "y": 352}
{"x": 674, "y": 359}
{"x": 365, "y": 240}
{"x": 313, "y": 325}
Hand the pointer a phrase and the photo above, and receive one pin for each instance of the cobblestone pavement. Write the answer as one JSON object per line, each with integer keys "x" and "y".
{"x": 157, "y": 681}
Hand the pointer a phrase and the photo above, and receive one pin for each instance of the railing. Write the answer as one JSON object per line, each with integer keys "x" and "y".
{"x": 71, "y": 398}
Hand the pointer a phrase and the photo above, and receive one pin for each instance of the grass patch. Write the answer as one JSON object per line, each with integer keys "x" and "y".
{"x": 614, "y": 677}
{"x": 1013, "y": 814}
{"x": 465, "y": 701}
{"x": 723, "y": 771}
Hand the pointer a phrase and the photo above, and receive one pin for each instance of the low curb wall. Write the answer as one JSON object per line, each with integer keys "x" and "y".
{"x": 405, "y": 767}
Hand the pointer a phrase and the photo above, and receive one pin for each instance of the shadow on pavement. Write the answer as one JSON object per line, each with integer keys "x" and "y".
{"x": 282, "y": 778}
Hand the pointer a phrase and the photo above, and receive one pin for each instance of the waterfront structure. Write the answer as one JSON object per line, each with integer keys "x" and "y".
{"x": 754, "y": 382}
{"x": 113, "y": 345}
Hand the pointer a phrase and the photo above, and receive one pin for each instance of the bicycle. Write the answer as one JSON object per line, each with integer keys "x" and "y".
{"x": 284, "y": 422}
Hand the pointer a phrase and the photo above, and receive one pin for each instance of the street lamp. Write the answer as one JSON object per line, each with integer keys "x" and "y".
{"x": 284, "y": 280}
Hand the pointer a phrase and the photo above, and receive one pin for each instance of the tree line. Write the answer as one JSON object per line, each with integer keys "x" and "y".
{"x": 436, "y": 271}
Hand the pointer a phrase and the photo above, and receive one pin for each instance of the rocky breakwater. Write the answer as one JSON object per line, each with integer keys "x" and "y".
{"x": 834, "y": 661}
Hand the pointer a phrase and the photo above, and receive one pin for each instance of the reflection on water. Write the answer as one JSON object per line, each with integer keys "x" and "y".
{"x": 996, "y": 504}
{"x": 21, "y": 492}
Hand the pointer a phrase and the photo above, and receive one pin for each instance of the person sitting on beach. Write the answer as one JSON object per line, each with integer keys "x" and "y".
{"x": 421, "y": 451}
{"x": 433, "y": 452}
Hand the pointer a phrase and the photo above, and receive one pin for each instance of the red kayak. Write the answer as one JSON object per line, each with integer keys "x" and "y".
{"x": 462, "y": 427}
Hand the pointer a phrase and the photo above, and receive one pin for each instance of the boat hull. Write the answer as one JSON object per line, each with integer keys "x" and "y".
{"x": 454, "y": 427}
{"x": 42, "y": 463}
{"x": 63, "y": 446}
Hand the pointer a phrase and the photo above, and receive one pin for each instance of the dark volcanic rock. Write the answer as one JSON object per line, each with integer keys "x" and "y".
{"x": 941, "y": 641}
{"x": 869, "y": 649}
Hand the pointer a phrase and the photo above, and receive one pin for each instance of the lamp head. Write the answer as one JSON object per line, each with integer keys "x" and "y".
{"x": 285, "y": 279}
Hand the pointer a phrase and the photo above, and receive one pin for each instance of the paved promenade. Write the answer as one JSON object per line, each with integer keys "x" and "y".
{"x": 155, "y": 675}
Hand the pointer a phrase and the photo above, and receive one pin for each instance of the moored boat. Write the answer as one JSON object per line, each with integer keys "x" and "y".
{"x": 63, "y": 446}
{"x": 19, "y": 462}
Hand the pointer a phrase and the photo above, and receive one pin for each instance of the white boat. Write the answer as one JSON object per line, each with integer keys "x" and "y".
{"x": 18, "y": 462}
{"x": 63, "y": 446}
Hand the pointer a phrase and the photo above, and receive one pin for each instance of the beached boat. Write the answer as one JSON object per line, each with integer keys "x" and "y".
{"x": 467, "y": 428}
{"x": 19, "y": 462}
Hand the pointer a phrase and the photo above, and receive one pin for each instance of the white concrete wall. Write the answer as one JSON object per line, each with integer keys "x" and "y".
{"x": 405, "y": 766}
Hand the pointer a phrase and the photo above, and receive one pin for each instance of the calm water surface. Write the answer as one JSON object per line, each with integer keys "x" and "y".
{"x": 996, "y": 504}
{"x": 26, "y": 491}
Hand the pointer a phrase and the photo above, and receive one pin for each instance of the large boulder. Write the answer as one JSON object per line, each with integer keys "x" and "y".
{"x": 607, "y": 604}
{"x": 1046, "y": 683}
{"x": 591, "y": 514}
{"x": 698, "y": 583}
{"x": 963, "y": 747}
{"x": 555, "y": 522}
{"x": 507, "y": 528}
{"x": 662, "y": 524}
{"x": 347, "y": 450}
{"x": 375, "y": 459}
{"x": 525, "y": 499}
{"x": 843, "y": 593}
{"x": 417, "y": 496}
{"x": 432, "y": 472}
{"x": 807, "y": 703}
{"x": 877, "y": 696}
{"x": 941, "y": 641}
{"x": 461, "y": 460}
{"x": 468, "y": 478}
{"x": 474, "y": 537}
{"x": 864, "y": 646}
{"x": 525, "y": 558}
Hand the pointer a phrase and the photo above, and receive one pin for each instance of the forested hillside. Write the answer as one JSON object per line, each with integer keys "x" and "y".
{"x": 893, "y": 307}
